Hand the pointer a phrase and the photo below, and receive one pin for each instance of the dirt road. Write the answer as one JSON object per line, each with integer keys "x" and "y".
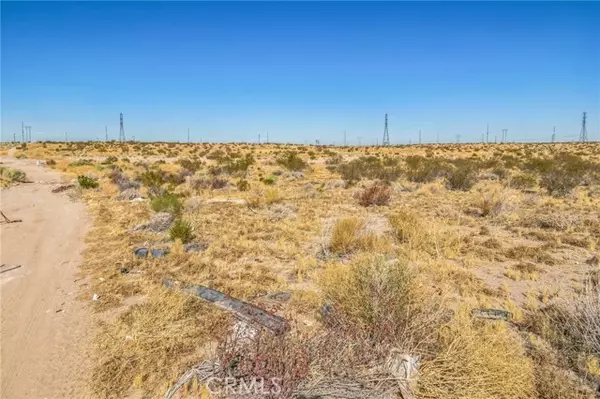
{"x": 44, "y": 329}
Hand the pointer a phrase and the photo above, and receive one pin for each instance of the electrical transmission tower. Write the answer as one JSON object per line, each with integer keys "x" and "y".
{"x": 122, "y": 130}
{"x": 419, "y": 136}
{"x": 554, "y": 134}
{"x": 504, "y": 135}
{"x": 22, "y": 132}
{"x": 28, "y": 133}
{"x": 487, "y": 134}
{"x": 105, "y": 133}
{"x": 386, "y": 134}
{"x": 583, "y": 135}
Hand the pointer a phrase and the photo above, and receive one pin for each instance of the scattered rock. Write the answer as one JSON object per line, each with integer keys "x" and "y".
{"x": 593, "y": 261}
{"x": 158, "y": 223}
{"x": 294, "y": 175}
{"x": 281, "y": 296}
{"x": 278, "y": 173}
{"x": 129, "y": 194}
{"x": 336, "y": 184}
{"x": 195, "y": 247}
{"x": 159, "y": 253}
{"x": 141, "y": 252}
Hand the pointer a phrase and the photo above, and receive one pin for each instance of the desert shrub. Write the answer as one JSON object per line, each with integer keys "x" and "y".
{"x": 82, "y": 162}
{"x": 50, "y": 162}
{"x": 369, "y": 167}
{"x": 292, "y": 161}
{"x": 243, "y": 185}
{"x": 562, "y": 173}
{"x": 166, "y": 202}
{"x": 476, "y": 360}
{"x": 109, "y": 160}
{"x": 377, "y": 193}
{"x": 87, "y": 182}
{"x": 13, "y": 175}
{"x": 272, "y": 196}
{"x": 153, "y": 179}
{"x": 424, "y": 170}
{"x": 492, "y": 201}
{"x": 269, "y": 181}
{"x": 239, "y": 165}
{"x": 345, "y": 235}
{"x": 407, "y": 227}
{"x": 175, "y": 179}
{"x": 523, "y": 181}
{"x": 189, "y": 164}
{"x": 379, "y": 302}
{"x": 462, "y": 177}
{"x": 218, "y": 183}
{"x": 559, "y": 182}
{"x": 181, "y": 230}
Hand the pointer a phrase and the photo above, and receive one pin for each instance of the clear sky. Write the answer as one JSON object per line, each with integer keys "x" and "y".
{"x": 302, "y": 71}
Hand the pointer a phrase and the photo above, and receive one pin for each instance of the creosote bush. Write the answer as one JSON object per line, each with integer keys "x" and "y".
{"x": 292, "y": 161}
{"x": 87, "y": 182}
{"x": 166, "y": 202}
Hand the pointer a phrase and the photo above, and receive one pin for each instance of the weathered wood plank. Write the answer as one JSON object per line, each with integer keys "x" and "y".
{"x": 245, "y": 311}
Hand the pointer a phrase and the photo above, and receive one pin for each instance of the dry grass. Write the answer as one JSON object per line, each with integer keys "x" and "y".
{"x": 402, "y": 276}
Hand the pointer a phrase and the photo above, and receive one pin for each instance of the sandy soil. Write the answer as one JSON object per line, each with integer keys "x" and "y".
{"x": 44, "y": 329}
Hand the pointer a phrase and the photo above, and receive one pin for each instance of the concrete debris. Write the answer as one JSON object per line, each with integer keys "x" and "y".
{"x": 158, "y": 223}
{"x": 244, "y": 311}
{"x": 494, "y": 314}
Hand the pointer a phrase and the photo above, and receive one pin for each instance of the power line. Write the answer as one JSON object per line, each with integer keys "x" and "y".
{"x": 386, "y": 134}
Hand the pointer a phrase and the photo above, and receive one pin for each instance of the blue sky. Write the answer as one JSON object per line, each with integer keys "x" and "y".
{"x": 302, "y": 71}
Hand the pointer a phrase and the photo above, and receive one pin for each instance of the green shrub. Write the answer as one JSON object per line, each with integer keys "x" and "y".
{"x": 269, "y": 180}
{"x": 166, "y": 202}
{"x": 181, "y": 230}
{"x": 292, "y": 161}
{"x": 13, "y": 175}
{"x": 87, "y": 182}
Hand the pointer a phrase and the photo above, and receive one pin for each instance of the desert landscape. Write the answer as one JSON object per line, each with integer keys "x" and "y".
{"x": 416, "y": 271}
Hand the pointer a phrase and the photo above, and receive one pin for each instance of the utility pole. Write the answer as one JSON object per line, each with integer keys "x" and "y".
{"x": 66, "y": 138}
{"x": 105, "y": 133}
{"x": 554, "y": 134}
{"x": 419, "y": 136}
{"x": 188, "y": 135}
{"x": 259, "y": 138}
{"x": 487, "y": 134}
{"x": 14, "y": 137}
{"x": 457, "y": 138}
{"x": 583, "y": 135}
{"x": 267, "y": 137}
{"x": 344, "y": 138}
